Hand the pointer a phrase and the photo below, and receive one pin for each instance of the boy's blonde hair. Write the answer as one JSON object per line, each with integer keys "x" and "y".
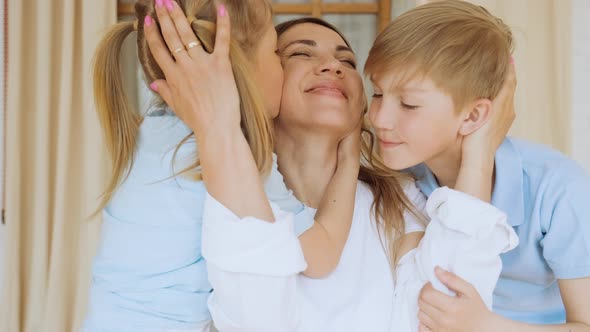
{"x": 120, "y": 121}
{"x": 461, "y": 47}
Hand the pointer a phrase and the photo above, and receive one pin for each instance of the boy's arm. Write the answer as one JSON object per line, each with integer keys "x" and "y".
{"x": 324, "y": 242}
{"x": 467, "y": 312}
{"x": 577, "y": 307}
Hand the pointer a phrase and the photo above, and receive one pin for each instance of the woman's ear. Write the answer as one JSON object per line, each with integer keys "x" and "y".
{"x": 476, "y": 116}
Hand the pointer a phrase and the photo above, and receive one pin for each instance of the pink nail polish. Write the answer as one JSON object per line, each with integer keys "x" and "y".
{"x": 169, "y": 4}
{"x": 148, "y": 21}
{"x": 154, "y": 86}
{"x": 159, "y": 3}
{"x": 222, "y": 11}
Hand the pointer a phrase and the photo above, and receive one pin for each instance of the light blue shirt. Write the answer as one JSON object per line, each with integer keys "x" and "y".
{"x": 547, "y": 199}
{"x": 149, "y": 274}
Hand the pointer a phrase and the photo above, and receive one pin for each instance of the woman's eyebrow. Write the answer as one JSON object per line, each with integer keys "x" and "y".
{"x": 307, "y": 42}
{"x": 343, "y": 48}
{"x": 313, "y": 43}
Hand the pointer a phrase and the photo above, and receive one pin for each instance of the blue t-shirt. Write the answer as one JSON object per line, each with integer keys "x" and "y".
{"x": 547, "y": 199}
{"x": 149, "y": 273}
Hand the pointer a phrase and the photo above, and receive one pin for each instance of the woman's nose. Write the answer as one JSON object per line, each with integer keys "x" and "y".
{"x": 330, "y": 65}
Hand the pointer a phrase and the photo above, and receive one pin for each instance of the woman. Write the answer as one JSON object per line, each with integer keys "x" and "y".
{"x": 253, "y": 255}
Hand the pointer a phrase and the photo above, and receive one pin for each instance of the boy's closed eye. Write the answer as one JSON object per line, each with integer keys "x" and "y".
{"x": 408, "y": 106}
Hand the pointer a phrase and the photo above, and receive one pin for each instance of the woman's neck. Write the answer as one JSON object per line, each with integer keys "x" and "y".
{"x": 307, "y": 163}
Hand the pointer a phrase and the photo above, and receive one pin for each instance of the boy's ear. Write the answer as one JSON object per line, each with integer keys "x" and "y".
{"x": 476, "y": 115}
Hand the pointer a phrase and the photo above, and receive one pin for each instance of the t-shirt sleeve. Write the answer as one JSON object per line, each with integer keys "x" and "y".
{"x": 566, "y": 222}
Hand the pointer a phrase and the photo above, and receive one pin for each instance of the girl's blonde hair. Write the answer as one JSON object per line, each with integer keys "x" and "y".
{"x": 461, "y": 47}
{"x": 120, "y": 121}
{"x": 390, "y": 205}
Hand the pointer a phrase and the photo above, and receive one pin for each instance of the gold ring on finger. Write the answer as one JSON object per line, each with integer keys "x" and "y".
{"x": 178, "y": 50}
{"x": 192, "y": 44}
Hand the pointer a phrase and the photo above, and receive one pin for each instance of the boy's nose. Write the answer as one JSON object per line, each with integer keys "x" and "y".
{"x": 382, "y": 117}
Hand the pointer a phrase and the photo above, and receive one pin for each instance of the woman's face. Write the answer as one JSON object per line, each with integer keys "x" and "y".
{"x": 322, "y": 89}
{"x": 268, "y": 72}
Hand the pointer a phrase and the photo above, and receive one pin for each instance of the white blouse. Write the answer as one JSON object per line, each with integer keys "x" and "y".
{"x": 254, "y": 266}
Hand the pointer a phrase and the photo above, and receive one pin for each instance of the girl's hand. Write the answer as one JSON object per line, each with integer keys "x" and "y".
{"x": 479, "y": 148}
{"x": 199, "y": 87}
{"x": 349, "y": 148}
{"x": 483, "y": 143}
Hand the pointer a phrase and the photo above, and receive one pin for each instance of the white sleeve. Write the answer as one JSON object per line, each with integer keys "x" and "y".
{"x": 465, "y": 236}
{"x": 412, "y": 222}
{"x": 253, "y": 266}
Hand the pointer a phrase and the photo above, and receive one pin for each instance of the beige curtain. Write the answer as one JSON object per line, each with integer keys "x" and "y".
{"x": 543, "y": 58}
{"x": 55, "y": 166}
{"x": 580, "y": 119}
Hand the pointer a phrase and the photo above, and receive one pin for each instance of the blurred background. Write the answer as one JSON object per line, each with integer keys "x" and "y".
{"x": 54, "y": 165}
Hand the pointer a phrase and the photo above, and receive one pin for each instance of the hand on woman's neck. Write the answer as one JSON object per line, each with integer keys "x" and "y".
{"x": 307, "y": 163}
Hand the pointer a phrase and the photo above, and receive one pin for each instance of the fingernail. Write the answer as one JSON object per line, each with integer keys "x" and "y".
{"x": 159, "y": 3}
{"x": 169, "y": 4}
{"x": 154, "y": 86}
{"x": 148, "y": 21}
{"x": 511, "y": 59}
{"x": 222, "y": 11}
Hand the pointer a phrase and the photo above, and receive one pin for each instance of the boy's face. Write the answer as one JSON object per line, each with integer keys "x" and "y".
{"x": 415, "y": 123}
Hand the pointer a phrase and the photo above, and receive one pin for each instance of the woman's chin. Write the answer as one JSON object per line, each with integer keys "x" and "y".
{"x": 336, "y": 125}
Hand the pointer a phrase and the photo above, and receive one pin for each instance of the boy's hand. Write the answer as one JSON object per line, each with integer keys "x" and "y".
{"x": 440, "y": 312}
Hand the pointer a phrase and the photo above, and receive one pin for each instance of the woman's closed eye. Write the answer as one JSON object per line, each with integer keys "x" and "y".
{"x": 305, "y": 54}
{"x": 300, "y": 54}
{"x": 349, "y": 62}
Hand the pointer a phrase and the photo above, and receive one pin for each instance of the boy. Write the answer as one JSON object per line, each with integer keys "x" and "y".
{"x": 436, "y": 70}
